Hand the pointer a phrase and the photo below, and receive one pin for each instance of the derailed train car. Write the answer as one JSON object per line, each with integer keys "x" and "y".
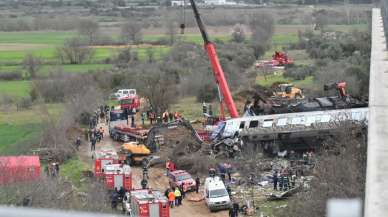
{"x": 276, "y": 132}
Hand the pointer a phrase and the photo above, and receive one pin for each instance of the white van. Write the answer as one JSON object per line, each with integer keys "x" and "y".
{"x": 125, "y": 93}
{"x": 216, "y": 195}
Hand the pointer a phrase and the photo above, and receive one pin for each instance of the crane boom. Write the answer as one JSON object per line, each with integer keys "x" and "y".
{"x": 216, "y": 66}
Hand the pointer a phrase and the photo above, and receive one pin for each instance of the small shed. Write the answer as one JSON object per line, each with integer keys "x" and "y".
{"x": 19, "y": 169}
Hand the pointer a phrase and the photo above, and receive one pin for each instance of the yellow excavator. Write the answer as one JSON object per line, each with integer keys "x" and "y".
{"x": 133, "y": 153}
{"x": 288, "y": 91}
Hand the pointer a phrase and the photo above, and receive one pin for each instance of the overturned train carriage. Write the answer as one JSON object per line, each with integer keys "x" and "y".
{"x": 295, "y": 130}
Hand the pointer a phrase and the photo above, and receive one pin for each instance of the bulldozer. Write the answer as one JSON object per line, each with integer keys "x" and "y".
{"x": 132, "y": 153}
{"x": 288, "y": 91}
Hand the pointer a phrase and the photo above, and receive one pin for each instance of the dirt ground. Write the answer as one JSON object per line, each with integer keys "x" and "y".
{"x": 158, "y": 180}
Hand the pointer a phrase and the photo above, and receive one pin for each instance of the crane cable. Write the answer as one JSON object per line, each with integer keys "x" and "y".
{"x": 183, "y": 14}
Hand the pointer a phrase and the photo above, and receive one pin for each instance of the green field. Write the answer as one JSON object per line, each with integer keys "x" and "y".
{"x": 72, "y": 170}
{"x": 19, "y": 130}
{"x": 15, "y": 88}
{"x": 39, "y": 37}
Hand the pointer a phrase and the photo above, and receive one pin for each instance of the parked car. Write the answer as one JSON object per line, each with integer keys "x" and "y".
{"x": 177, "y": 177}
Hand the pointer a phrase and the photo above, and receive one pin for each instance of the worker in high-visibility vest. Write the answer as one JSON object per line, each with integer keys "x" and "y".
{"x": 171, "y": 198}
{"x": 178, "y": 197}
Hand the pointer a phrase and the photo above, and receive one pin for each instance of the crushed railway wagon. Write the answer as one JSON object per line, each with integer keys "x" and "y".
{"x": 292, "y": 128}
{"x": 19, "y": 169}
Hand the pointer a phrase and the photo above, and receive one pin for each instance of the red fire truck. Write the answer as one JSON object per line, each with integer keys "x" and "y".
{"x": 148, "y": 203}
{"x": 117, "y": 176}
{"x": 102, "y": 158}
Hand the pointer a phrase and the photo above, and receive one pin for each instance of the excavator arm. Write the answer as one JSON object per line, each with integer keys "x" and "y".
{"x": 216, "y": 66}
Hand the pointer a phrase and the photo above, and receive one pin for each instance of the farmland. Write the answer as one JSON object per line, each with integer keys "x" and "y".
{"x": 21, "y": 129}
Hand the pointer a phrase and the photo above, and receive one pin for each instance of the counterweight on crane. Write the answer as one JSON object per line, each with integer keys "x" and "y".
{"x": 216, "y": 66}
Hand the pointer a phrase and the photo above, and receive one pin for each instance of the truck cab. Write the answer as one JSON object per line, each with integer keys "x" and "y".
{"x": 216, "y": 195}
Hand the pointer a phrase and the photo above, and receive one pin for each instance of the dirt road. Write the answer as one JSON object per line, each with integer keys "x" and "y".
{"x": 157, "y": 180}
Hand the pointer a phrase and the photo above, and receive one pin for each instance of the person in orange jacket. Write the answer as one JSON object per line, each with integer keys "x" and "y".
{"x": 171, "y": 198}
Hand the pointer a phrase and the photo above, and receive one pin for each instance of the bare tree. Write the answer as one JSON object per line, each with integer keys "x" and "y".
{"x": 238, "y": 34}
{"x": 159, "y": 85}
{"x": 32, "y": 64}
{"x": 150, "y": 54}
{"x": 171, "y": 31}
{"x": 89, "y": 29}
{"x": 131, "y": 32}
{"x": 74, "y": 51}
{"x": 262, "y": 28}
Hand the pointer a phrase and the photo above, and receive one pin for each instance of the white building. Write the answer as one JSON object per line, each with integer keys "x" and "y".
{"x": 219, "y": 2}
{"x": 178, "y": 3}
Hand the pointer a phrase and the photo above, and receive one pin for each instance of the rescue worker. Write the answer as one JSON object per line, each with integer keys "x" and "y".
{"x": 145, "y": 172}
{"x": 165, "y": 116}
{"x": 229, "y": 190}
{"x": 178, "y": 197}
{"x": 77, "y": 143}
{"x": 143, "y": 118}
{"x": 171, "y": 116}
{"x": 197, "y": 184}
{"x": 90, "y": 132}
{"x": 114, "y": 199}
{"x": 275, "y": 180}
{"x": 93, "y": 143}
{"x": 166, "y": 192}
{"x": 167, "y": 166}
{"x": 101, "y": 132}
{"x": 86, "y": 134}
{"x": 171, "y": 198}
{"x": 183, "y": 190}
{"x": 229, "y": 172}
{"x": 176, "y": 116}
{"x": 235, "y": 209}
{"x": 144, "y": 183}
{"x": 212, "y": 172}
{"x": 133, "y": 121}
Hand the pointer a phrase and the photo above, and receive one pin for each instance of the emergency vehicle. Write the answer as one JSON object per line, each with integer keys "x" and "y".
{"x": 148, "y": 203}
{"x": 102, "y": 158}
{"x": 117, "y": 176}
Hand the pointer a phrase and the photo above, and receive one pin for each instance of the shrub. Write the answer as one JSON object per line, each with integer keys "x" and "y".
{"x": 299, "y": 72}
{"x": 11, "y": 76}
{"x": 207, "y": 94}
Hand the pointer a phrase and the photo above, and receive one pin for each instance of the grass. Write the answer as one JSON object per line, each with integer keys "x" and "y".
{"x": 72, "y": 170}
{"x": 191, "y": 109}
{"x": 195, "y": 38}
{"x": 267, "y": 81}
{"x": 19, "y": 130}
{"x": 38, "y": 37}
{"x": 16, "y": 89}
{"x": 17, "y": 56}
{"x": 270, "y": 208}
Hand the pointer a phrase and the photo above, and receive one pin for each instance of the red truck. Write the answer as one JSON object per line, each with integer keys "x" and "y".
{"x": 148, "y": 203}
{"x": 131, "y": 103}
{"x": 121, "y": 130}
{"x": 102, "y": 158}
{"x": 117, "y": 176}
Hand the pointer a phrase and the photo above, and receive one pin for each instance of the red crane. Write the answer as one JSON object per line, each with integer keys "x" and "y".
{"x": 216, "y": 66}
